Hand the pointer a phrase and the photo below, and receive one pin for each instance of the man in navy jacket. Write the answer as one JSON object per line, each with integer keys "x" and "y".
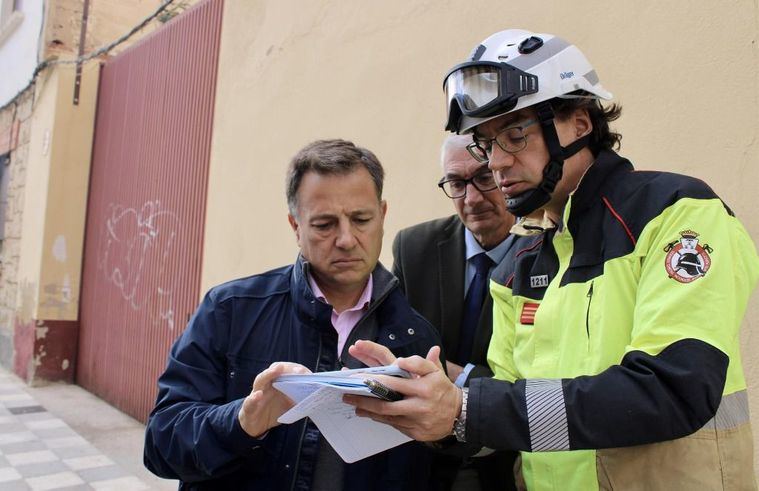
{"x": 209, "y": 429}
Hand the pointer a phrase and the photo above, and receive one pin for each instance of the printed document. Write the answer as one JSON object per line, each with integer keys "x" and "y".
{"x": 319, "y": 396}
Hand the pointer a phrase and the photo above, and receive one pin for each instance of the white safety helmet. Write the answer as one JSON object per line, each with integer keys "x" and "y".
{"x": 513, "y": 69}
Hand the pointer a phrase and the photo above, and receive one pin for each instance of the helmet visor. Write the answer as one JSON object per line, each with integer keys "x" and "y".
{"x": 476, "y": 85}
{"x": 485, "y": 88}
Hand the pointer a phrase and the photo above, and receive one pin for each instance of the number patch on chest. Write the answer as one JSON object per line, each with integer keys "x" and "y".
{"x": 540, "y": 281}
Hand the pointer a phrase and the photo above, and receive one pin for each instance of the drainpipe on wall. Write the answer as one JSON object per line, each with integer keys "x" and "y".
{"x": 82, "y": 38}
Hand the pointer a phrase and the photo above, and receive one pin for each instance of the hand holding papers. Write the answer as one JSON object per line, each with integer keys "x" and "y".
{"x": 319, "y": 396}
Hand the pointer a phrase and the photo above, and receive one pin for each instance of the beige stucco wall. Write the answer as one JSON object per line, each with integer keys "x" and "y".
{"x": 70, "y": 150}
{"x": 291, "y": 72}
{"x": 56, "y": 196}
{"x": 107, "y": 21}
{"x": 35, "y": 196}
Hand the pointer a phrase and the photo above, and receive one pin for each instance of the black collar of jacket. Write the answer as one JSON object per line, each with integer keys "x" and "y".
{"x": 592, "y": 242}
{"x": 589, "y": 191}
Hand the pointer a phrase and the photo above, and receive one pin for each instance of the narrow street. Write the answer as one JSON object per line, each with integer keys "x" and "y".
{"x": 63, "y": 437}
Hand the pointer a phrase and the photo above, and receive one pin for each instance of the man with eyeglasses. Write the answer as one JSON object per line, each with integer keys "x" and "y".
{"x": 615, "y": 346}
{"x": 443, "y": 266}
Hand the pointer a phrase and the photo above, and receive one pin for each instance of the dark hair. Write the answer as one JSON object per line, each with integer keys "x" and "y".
{"x": 602, "y": 137}
{"x": 330, "y": 157}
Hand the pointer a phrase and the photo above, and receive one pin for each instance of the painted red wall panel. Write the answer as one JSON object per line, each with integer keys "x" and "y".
{"x": 146, "y": 209}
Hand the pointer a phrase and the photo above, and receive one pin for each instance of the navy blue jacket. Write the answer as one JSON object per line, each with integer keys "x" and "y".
{"x": 240, "y": 328}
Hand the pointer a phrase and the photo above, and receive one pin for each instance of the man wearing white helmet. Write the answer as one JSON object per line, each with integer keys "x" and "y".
{"x": 615, "y": 343}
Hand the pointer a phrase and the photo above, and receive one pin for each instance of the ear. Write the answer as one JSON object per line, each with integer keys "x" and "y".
{"x": 383, "y": 212}
{"x": 294, "y": 224}
{"x": 582, "y": 123}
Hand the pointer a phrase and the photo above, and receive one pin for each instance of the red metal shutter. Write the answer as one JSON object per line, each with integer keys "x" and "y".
{"x": 146, "y": 209}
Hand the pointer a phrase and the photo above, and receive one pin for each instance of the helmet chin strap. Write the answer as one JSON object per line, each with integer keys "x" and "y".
{"x": 525, "y": 203}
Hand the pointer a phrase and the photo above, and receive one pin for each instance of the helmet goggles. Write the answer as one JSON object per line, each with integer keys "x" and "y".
{"x": 484, "y": 88}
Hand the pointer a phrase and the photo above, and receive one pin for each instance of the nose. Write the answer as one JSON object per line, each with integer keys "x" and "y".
{"x": 473, "y": 195}
{"x": 345, "y": 239}
{"x": 499, "y": 159}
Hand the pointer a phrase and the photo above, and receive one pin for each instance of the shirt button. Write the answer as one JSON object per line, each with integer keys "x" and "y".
{"x": 411, "y": 331}
{"x": 391, "y": 336}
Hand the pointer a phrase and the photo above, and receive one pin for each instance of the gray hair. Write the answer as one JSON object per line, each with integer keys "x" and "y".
{"x": 453, "y": 142}
{"x": 330, "y": 157}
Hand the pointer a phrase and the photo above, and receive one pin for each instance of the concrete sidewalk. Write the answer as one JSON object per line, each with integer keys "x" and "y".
{"x": 65, "y": 438}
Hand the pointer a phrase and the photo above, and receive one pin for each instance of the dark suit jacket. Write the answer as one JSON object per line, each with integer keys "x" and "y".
{"x": 429, "y": 260}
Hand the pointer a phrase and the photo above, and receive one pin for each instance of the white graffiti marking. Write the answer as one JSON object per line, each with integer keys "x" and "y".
{"x": 134, "y": 250}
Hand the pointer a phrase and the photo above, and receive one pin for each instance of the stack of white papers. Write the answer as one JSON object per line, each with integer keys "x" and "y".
{"x": 319, "y": 396}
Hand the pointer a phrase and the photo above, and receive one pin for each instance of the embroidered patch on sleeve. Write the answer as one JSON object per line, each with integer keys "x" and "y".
{"x": 686, "y": 259}
{"x": 528, "y": 313}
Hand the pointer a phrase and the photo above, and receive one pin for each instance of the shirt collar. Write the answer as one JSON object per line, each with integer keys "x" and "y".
{"x": 496, "y": 254}
{"x": 362, "y": 302}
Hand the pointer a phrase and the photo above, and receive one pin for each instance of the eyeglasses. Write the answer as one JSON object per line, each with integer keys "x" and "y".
{"x": 510, "y": 140}
{"x": 456, "y": 188}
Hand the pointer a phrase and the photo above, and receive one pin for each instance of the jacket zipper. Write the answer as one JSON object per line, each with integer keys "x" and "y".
{"x": 587, "y": 313}
{"x": 305, "y": 423}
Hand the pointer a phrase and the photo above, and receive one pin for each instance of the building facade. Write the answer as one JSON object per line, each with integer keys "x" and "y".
{"x": 686, "y": 75}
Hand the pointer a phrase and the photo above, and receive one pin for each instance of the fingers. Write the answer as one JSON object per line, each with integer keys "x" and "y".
{"x": 433, "y": 355}
{"x": 373, "y": 407}
{"x": 405, "y": 421}
{"x": 420, "y": 366}
{"x": 371, "y": 354}
{"x": 265, "y": 378}
{"x": 287, "y": 367}
{"x": 252, "y": 401}
{"x": 398, "y": 422}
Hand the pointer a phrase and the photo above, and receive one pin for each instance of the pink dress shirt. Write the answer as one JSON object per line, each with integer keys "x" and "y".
{"x": 345, "y": 321}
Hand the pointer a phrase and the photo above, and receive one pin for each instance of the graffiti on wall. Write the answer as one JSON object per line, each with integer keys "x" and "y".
{"x": 134, "y": 250}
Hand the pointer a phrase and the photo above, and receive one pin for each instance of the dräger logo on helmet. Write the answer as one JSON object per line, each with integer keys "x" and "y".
{"x": 564, "y": 75}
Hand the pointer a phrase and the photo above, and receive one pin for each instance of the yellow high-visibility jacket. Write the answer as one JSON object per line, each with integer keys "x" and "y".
{"x": 617, "y": 337}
